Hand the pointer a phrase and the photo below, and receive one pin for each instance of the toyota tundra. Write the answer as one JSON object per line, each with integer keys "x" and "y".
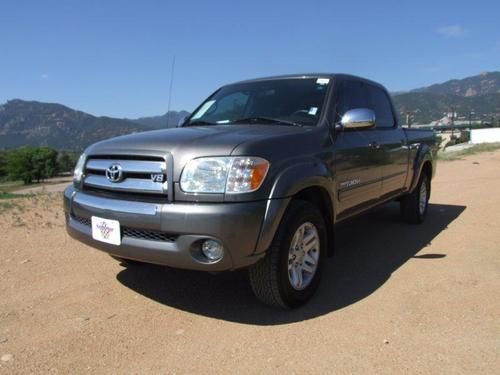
{"x": 256, "y": 177}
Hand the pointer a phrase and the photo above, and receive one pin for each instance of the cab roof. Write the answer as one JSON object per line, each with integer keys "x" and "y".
{"x": 332, "y": 76}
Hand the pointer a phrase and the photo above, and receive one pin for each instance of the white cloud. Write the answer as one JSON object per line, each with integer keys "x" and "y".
{"x": 44, "y": 76}
{"x": 452, "y": 31}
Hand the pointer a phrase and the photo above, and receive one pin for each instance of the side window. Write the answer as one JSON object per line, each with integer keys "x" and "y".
{"x": 351, "y": 95}
{"x": 380, "y": 103}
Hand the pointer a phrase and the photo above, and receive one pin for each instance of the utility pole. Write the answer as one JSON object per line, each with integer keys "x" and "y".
{"x": 170, "y": 90}
{"x": 452, "y": 121}
{"x": 409, "y": 118}
{"x": 470, "y": 120}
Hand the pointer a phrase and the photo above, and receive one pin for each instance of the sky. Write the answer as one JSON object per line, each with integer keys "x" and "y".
{"x": 114, "y": 58}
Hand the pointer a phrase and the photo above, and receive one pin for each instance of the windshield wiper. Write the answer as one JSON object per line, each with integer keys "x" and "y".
{"x": 198, "y": 122}
{"x": 264, "y": 120}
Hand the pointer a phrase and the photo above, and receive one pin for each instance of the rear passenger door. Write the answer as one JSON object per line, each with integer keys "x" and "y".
{"x": 356, "y": 165}
{"x": 391, "y": 142}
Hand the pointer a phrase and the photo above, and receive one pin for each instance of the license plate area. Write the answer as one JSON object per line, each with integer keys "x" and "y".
{"x": 106, "y": 230}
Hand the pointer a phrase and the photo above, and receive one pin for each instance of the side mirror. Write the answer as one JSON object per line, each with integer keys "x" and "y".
{"x": 358, "y": 118}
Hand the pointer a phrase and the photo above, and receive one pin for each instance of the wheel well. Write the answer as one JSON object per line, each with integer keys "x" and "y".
{"x": 321, "y": 199}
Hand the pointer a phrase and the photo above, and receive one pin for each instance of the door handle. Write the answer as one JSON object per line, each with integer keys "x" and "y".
{"x": 374, "y": 145}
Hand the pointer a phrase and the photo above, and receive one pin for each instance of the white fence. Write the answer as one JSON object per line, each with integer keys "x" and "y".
{"x": 485, "y": 135}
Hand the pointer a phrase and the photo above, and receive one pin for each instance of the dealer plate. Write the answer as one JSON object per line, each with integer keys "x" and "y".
{"x": 106, "y": 230}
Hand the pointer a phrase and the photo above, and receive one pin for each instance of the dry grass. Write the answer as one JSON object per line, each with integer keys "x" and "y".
{"x": 32, "y": 211}
{"x": 458, "y": 155}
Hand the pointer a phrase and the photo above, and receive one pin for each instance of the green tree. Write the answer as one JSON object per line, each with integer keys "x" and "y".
{"x": 44, "y": 163}
{"x": 29, "y": 164}
{"x": 3, "y": 164}
{"x": 19, "y": 164}
{"x": 65, "y": 162}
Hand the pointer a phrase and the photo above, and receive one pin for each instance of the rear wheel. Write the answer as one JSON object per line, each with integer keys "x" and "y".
{"x": 290, "y": 273}
{"x": 414, "y": 206}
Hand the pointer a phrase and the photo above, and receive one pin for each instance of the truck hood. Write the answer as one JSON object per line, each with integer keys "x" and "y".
{"x": 187, "y": 143}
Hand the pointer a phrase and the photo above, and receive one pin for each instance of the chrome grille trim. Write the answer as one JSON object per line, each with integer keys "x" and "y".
{"x": 128, "y": 184}
{"x": 131, "y": 207}
{"x": 131, "y": 166}
{"x": 137, "y": 175}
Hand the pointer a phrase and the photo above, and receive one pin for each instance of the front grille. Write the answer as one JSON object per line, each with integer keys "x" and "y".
{"x": 141, "y": 234}
{"x": 135, "y": 175}
{"x": 82, "y": 220}
{"x": 148, "y": 235}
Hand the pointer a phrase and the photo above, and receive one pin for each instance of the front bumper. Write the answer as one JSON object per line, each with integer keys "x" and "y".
{"x": 236, "y": 225}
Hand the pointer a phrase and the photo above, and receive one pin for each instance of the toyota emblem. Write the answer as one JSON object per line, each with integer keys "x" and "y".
{"x": 114, "y": 173}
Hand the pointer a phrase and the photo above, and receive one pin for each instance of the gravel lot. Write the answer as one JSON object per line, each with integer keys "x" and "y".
{"x": 395, "y": 298}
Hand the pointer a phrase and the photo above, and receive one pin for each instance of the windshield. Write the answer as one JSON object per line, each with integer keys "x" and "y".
{"x": 293, "y": 101}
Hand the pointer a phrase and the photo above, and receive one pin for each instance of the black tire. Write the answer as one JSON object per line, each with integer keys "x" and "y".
{"x": 411, "y": 210}
{"x": 269, "y": 277}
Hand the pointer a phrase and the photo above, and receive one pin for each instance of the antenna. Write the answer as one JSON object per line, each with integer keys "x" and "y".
{"x": 170, "y": 90}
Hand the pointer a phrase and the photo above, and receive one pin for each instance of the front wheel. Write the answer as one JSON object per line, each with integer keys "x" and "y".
{"x": 290, "y": 273}
{"x": 414, "y": 206}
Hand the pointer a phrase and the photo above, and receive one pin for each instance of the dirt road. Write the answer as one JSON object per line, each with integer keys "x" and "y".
{"x": 395, "y": 298}
{"x": 54, "y": 185}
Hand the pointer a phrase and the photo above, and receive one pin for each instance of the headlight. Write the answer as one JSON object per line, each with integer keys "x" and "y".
{"x": 77, "y": 173}
{"x": 230, "y": 175}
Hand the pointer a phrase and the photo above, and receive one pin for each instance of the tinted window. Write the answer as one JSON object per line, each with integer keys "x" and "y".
{"x": 297, "y": 100}
{"x": 227, "y": 107}
{"x": 351, "y": 95}
{"x": 379, "y": 102}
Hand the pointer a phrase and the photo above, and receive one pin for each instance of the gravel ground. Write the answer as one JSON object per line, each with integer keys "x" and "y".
{"x": 395, "y": 298}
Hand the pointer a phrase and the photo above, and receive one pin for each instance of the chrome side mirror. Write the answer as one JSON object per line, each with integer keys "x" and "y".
{"x": 358, "y": 118}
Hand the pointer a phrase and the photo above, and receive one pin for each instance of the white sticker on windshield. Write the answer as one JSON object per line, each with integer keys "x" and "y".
{"x": 323, "y": 81}
{"x": 313, "y": 111}
{"x": 205, "y": 107}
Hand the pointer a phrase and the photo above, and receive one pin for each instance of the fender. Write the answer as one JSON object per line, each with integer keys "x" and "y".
{"x": 423, "y": 154}
{"x": 297, "y": 177}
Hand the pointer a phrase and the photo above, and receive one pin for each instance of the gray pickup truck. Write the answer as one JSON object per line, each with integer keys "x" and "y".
{"x": 257, "y": 177}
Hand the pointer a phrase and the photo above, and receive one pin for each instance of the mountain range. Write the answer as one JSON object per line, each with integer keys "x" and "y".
{"x": 477, "y": 96}
{"x": 168, "y": 120}
{"x": 55, "y": 125}
{"x": 482, "y": 84}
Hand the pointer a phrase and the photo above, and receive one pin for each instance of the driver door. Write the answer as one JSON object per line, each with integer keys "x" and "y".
{"x": 356, "y": 164}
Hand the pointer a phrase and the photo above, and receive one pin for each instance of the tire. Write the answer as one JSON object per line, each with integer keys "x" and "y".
{"x": 414, "y": 206}
{"x": 275, "y": 279}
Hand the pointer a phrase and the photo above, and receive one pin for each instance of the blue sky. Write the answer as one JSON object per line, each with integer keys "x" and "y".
{"x": 114, "y": 57}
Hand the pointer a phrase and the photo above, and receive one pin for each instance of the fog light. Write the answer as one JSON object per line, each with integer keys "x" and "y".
{"x": 212, "y": 249}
